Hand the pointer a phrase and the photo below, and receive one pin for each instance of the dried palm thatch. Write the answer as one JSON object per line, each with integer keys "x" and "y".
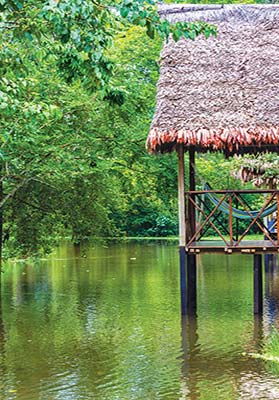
{"x": 221, "y": 93}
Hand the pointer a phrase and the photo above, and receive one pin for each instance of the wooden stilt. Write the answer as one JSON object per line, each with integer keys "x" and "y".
{"x": 183, "y": 281}
{"x": 258, "y": 284}
{"x": 191, "y": 284}
{"x": 181, "y": 196}
{"x": 188, "y": 282}
{"x": 188, "y": 279}
{"x": 192, "y": 186}
{"x": 182, "y": 228}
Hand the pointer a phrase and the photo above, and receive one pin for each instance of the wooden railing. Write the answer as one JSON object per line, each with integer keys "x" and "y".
{"x": 203, "y": 214}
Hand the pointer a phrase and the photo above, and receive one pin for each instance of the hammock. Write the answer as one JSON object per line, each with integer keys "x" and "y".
{"x": 240, "y": 214}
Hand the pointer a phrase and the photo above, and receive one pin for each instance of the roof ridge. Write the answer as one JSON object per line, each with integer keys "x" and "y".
{"x": 173, "y": 8}
{"x": 218, "y": 12}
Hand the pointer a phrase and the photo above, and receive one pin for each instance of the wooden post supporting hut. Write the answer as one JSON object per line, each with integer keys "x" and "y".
{"x": 216, "y": 95}
{"x": 188, "y": 273}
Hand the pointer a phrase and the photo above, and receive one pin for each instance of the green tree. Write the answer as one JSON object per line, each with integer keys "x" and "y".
{"x": 58, "y": 90}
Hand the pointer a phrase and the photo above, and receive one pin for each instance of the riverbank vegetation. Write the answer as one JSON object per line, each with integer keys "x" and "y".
{"x": 77, "y": 93}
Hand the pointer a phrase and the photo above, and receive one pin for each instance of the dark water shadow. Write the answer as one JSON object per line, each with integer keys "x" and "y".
{"x": 258, "y": 334}
{"x": 190, "y": 351}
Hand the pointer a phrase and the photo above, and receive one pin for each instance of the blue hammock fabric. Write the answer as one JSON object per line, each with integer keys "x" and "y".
{"x": 240, "y": 214}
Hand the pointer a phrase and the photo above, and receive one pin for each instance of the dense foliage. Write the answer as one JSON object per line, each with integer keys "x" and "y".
{"x": 75, "y": 106}
{"x": 77, "y": 93}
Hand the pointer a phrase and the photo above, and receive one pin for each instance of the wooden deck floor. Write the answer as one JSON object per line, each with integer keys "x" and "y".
{"x": 246, "y": 247}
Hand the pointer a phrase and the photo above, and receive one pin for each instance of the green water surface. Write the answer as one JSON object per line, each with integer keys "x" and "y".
{"x": 103, "y": 322}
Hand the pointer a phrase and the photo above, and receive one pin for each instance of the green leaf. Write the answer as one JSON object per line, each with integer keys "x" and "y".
{"x": 150, "y": 30}
{"x": 28, "y": 35}
{"x": 176, "y": 34}
{"x": 124, "y": 11}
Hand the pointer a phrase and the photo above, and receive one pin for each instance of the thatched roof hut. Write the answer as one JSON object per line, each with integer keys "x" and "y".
{"x": 221, "y": 93}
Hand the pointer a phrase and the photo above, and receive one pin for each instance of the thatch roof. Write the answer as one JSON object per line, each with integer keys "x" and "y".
{"x": 221, "y": 93}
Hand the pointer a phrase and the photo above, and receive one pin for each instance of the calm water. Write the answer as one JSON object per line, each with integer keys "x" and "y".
{"x": 104, "y": 323}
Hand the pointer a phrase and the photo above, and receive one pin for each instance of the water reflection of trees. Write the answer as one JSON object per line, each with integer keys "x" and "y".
{"x": 93, "y": 326}
{"x": 104, "y": 323}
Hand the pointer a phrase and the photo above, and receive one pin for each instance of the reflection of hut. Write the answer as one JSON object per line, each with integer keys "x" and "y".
{"x": 217, "y": 94}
